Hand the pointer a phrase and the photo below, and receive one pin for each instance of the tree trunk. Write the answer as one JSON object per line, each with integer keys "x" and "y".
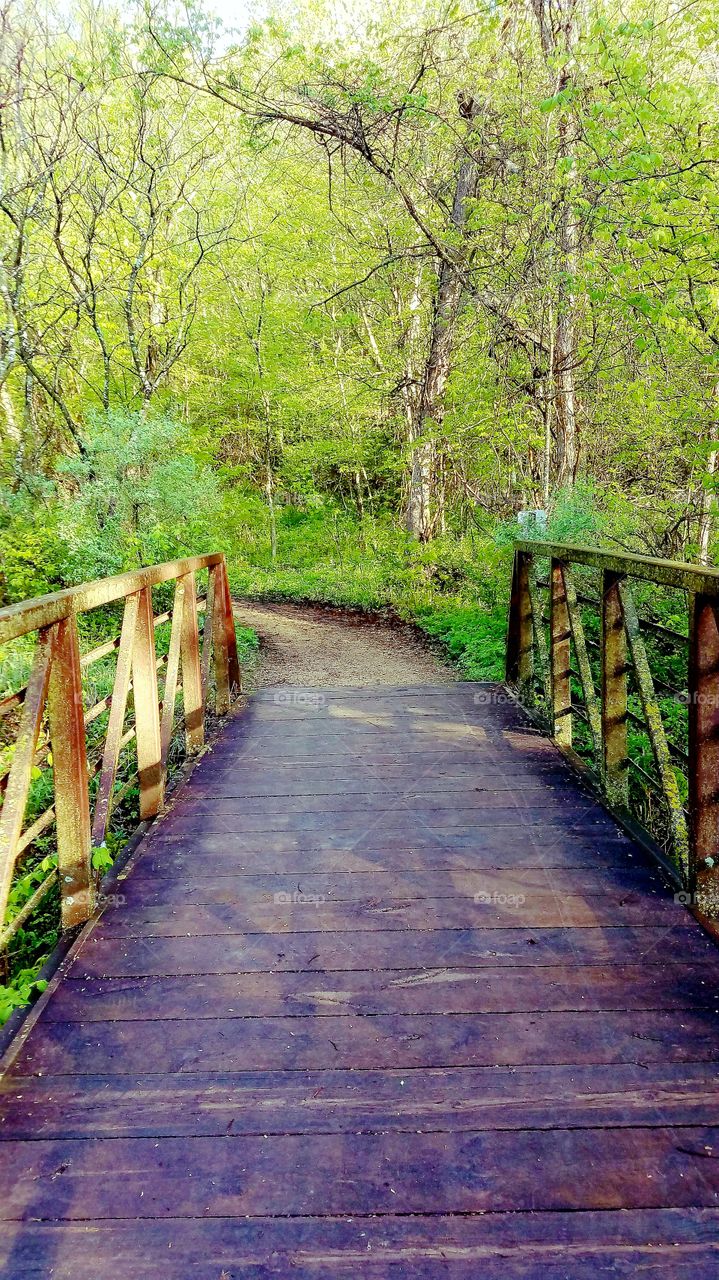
{"x": 429, "y": 410}
{"x": 270, "y": 491}
{"x": 565, "y": 337}
{"x": 706, "y": 518}
{"x": 557, "y": 34}
{"x": 708, "y": 499}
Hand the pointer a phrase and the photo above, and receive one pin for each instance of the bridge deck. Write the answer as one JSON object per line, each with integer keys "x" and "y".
{"x": 388, "y": 995}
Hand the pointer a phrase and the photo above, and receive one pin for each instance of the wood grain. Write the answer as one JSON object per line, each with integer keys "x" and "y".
{"x": 385, "y": 995}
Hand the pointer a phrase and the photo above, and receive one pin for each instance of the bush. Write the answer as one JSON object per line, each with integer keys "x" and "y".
{"x": 136, "y": 497}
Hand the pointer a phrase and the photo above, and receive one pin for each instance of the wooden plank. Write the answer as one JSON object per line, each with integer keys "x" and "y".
{"x": 289, "y": 909}
{"x": 658, "y": 1244}
{"x": 445, "y": 989}
{"x": 381, "y": 823}
{"x": 147, "y": 712}
{"x": 614, "y": 693}
{"x": 539, "y": 635}
{"x": 116, "y": 721}
{"x": 655, "y": 729}
{"x": 192, "y": 696}
{"x": 217, "y": 619}
{"x": 431, "y": 1173}
{"x": 406, "y": 949}
{"x": 256, "y": 784}
{"x": 234, "y": 674}
{"x": 519, "y": 627}
{"x": 209, "y": 884}
{"x": 703, "y": 771}
{"x": 560, "y": 657}
{"x": 18, "y": 619}
{"x": 537, "y": 793}
{"x": 169, "y": 693}
{"x": 623, "y": 1095}
{"x": 166, "y": 856}
{"x": 585, "y": 671}
{"x": 70, "y": 775}
{"x": 207, "y": 636}
{"x": 364, "y": 1043}
{"x": 319, "y": 747}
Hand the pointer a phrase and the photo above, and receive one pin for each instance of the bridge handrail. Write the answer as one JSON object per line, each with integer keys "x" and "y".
{"x": 54, "y": 690}
{"x": 555, "y": 668}
{"x": 18, "y": 619}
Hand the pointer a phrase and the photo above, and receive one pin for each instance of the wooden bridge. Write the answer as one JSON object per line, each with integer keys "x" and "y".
{"x": 385, "y": 990}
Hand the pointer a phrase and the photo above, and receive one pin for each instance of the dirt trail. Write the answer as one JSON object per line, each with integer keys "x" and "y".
{"x": 309, "y": 646}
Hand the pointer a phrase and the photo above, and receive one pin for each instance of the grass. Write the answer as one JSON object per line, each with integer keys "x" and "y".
{"x": 455, "y": 590}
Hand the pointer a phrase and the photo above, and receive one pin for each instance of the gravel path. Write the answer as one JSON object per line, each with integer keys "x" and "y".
{"x": 311, "y": 647}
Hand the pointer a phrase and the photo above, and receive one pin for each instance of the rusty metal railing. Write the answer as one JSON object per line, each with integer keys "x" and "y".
{"x": 52, "y": 720}
{"x": 584, "y": 663}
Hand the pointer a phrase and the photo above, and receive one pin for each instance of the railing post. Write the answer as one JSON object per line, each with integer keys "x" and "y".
{"x": 224, "y": 642}
{"x": 520, "y": 648}
{"x": 219, "y": 642}
{"x": 614, "y": 692}
{"x": 704, "y": 752}
{"x": 191, "y": 673}
{"x": 69, "y": 762}
{"x": 233, "y": 662}
{"x": 169, "y": 693}
{"x": 147, "y": 709}
{"x": 560, "y": 633}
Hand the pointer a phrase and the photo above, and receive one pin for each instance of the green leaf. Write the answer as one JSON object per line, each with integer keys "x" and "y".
{"x": 101, "y": 858}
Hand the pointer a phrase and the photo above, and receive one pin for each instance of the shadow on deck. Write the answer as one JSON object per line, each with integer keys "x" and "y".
{"x": 385, "y": 993}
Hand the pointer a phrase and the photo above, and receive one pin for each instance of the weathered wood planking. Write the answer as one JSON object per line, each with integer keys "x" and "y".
{"x": 553, "y": 988}
{"x": 202, "y": 1104}
{"x": 386, "y": 994}
{"x": 553, "y": 1246}
{"x": 411, "y": 950}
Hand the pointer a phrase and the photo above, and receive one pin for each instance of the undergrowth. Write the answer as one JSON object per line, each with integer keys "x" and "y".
{"x": 455, "y": 589}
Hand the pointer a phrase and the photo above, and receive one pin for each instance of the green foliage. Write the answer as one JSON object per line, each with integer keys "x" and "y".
{"x": 25, "y": 988}
{"x": 31, "y": 552}
{"x": 454, "y": 590}
{"x": 101, "y": 859}
{"x": 134, "y": 497}
{"x": 473, "y": 637}
{"x": 575, "y": 517}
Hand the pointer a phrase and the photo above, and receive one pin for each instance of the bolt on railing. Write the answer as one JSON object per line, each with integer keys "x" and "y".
{"x": 53, "y": 695}
{"x": 609, "y": 687}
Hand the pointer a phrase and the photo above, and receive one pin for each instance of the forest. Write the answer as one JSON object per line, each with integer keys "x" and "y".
{"x": 345, "y": 291}
{"x": 382, "y": 943}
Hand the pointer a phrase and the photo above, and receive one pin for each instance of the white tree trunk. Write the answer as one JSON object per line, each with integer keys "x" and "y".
{"x": 557, "y": 31}
{"x": 429, "y": 411}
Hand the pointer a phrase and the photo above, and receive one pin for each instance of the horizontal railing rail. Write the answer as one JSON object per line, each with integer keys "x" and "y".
{"x": 47, "y": 733}
{"x": 599, "y": 693}
{"x": 17, "y": 619}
